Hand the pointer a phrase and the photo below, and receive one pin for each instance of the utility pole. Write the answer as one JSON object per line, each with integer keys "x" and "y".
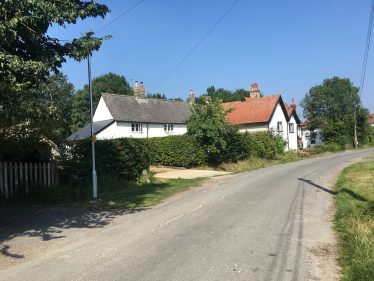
{"x": 94, "y": 176}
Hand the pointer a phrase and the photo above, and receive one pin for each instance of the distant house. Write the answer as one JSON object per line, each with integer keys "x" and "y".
{"x": 121, "y": 116}
{"x": 257, "y": 113}
{"x": 371, "y": 119}
{"x": 310, "y": 138}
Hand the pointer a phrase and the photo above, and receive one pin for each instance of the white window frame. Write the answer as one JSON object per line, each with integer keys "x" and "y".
{"x": 291, "y": 125}
{"x": 136, "y": 128}
{"x": 169, "y": 128}
{"x": 280, "y": 127}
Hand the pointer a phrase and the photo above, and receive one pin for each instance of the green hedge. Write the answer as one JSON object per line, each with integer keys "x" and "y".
{"x": 179, "y": 151}
{"x": 125, "y": 158}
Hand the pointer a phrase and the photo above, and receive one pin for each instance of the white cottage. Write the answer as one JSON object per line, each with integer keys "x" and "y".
{"x": 257, "y": 113}
{"x": 121, "y": 116}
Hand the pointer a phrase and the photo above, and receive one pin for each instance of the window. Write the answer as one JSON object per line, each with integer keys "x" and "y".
{"x": 168, "y": 128}
{"x": 280, "y": 127}
{"x": 136, "y": 127}
{"x": 291, "y": 128}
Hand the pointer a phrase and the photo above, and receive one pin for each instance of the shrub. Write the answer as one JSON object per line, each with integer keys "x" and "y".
{"x": 267, "y": 145}
{"x": 180, "y": 151}
{"x": 125, "y": 158}
{"x": 333, "y": 147}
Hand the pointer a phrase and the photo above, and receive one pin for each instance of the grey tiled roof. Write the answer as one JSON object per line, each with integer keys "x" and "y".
{"x": 131, "y": 109}
{"x": 85, "y": 132}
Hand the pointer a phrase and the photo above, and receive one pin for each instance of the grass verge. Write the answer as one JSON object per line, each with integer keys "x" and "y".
{"x": 354, "y": 221}
{"x": 115, "y": 193}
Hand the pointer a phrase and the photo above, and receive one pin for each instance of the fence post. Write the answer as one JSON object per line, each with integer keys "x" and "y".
{"x": 27, "y": 179}
{"x": 6, "y": 180}
{"x": 15, "y": 170}
{"x": 49, "y": 173}
{"x": 21, "y": 183}
{"x": 11, "y": 185}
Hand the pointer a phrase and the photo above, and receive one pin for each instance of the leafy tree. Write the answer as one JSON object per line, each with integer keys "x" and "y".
{"x": 223, "y": 94}
{"x": 107, "y": 83}
{"x": 331, "y": 108}
{"x": 210, "y": 128}
{"x": 28, "y": 54}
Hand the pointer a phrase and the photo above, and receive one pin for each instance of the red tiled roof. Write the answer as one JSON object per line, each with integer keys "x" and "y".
{"x": 252, "y": 110}
{"x": 288, "y": 109}
{"x": 371, "y": 119}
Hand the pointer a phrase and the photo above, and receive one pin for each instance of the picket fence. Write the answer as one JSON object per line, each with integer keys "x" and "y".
{"x": 19, "y": 178}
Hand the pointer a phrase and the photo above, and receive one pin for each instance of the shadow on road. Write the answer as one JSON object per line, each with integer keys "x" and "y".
{"x": 18, "y": 220}
{"x": 344, "y": 190}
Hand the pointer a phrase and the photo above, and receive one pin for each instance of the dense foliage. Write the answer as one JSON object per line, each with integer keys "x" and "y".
{"x": 179, "y": 151}
{"x": 331, "y": 108}
{"x": 208, "y": 125}
{"x": 21, "y": 143}
{"x": 125, "y": 158}
{"x": 222, "y": 94}
{"x": 28, "y": 54}
{"x": 107, "y": 83}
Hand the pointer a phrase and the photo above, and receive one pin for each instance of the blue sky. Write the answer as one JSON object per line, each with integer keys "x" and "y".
{"x": 285, "y": 46}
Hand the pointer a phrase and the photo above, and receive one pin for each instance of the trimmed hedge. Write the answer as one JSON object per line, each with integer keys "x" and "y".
{"x": 125, "y": 158}
{"x": 179, "y": 151}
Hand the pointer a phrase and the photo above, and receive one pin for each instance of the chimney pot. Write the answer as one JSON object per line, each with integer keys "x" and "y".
{"x": 293, "y": 104}
{"x": 191, "y": 97}
{"x": 254, "y": 91}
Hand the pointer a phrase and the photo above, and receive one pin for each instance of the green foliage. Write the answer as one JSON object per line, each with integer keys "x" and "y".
{"x": 107, "y": 83}
{"x": 23, "y": 144}
{"x": 354, "y": 221}
{"x": 179, "y": 151}
{"x": 28, "y": 54}
{"x": 266, "y": 145}
{"x": 331, "y": 106}
{"x": 208, "y": 125}
{"x": 125, "y": 158}
{"x": 223, "y": 95}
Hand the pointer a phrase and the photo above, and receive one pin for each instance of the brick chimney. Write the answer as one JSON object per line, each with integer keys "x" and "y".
{"x": 139, "y": 90}
{"x": 191, "y": 97}
{"x": 142, "y": 91}
{"x": 254, "y": 91}
{"x": 293, "y": 104}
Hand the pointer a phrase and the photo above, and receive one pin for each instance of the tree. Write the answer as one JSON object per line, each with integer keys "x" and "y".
{"x": 331, "y": 108}
{"x": 210, "y": 128}
{"x": 107, "y": 83}
{"x": 28, "y": 54}
{"x": 223, "y": 95}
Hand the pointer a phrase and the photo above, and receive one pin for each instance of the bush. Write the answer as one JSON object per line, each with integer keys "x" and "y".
{"x": 266, "y": 145}
{"x": 333, "y": 147}
{"x": 179, "y": 151}
{"x": 125, "y": 158}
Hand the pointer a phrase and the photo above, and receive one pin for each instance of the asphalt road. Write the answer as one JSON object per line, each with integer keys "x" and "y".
{"x": 259, "y": 225}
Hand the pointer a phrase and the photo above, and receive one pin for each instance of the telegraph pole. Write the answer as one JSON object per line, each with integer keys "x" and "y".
{"x": 94, "y": 176}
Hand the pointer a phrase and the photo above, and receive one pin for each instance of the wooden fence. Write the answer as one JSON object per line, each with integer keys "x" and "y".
{"x": 18, "y": 178}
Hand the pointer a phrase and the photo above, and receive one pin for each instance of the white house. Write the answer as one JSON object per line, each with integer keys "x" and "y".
{"x": 258, "y": 113}
{"x": 310, "y": 137}
{"x": 121, "y": 116}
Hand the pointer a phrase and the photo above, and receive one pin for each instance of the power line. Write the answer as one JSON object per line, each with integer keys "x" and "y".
{"x": 367, "y": 49}
{"x": 185, "y": 57}
{"x": 119, "y": 16}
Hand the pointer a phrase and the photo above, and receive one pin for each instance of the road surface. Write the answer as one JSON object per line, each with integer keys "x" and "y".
{"x": 269, "y": 224}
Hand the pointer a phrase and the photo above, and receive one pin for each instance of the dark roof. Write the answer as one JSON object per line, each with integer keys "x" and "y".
{"x": 85, "y": 132}
{"x": 131, "y": 109}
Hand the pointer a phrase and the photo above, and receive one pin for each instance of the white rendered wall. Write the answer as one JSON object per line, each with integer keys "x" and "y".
{"x": 123, "y": 130}
{"x": 102, "y": 112}
{"x": 292, "y": 137}
{"x": 306, "y": 137}
{"x": 252, "y": 128}
{"x": 279, "y": 116}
